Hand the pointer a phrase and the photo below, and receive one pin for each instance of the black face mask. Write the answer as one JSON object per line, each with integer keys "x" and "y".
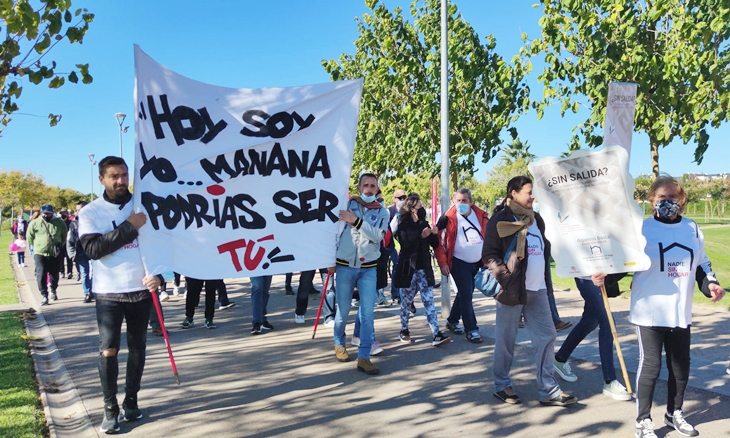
{"x": 421, "y": 213}
{"x": 47, "y": 217}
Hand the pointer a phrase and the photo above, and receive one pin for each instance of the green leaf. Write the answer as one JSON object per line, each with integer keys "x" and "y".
{"x": 72, "y": 77}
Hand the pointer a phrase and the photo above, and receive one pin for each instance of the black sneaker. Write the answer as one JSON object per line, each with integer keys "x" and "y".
{"x": 209, "y": 324}
{"x": 440, "y": 339}
{"x": 405, "y": 336}
{"x": 54, "y": 297}
{"x": 455, "y": 328}
{"x": 110, "y": 423}
{"x": 413, "y": 308}
{"x": 561, "y": 400}
{"x": 187, "y": 323}
{"x": 289, "y": 290}
{"x": 256, "y": 330}
{"x": 266, "y": 326}
{"x": 44, "y": 301}
{"x": 87, "y": 298}
{"x": 130, "y": 410}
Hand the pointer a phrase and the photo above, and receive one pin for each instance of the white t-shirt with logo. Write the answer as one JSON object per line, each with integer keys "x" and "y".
{"x": 469, "y": 240}
{"x": 535, "y": 251}
{"x": 121, "y": 271}
{"x": 662, "y": 295}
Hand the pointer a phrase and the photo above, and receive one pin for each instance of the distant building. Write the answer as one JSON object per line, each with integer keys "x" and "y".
{"x": 708, "y": 176}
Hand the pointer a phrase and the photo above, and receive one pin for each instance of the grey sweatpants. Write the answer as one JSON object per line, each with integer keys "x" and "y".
{"x": 539, "y": 325}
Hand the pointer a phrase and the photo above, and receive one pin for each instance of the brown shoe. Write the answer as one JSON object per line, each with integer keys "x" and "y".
{"x": 366, "y": 366}
{"x": 562, "y": 325}
{"x": 508, "y": 395}
{"x": 341, "y": 354}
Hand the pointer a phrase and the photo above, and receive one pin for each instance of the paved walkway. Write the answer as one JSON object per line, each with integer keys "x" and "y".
{"x": 284, "y": 383}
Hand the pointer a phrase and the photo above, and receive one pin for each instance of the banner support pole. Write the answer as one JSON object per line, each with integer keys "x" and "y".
{"x": 615, "y": 338}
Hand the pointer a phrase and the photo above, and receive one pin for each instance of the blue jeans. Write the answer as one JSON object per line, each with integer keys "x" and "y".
{"x": 463, "y": 308}
{"x": 260, "y": 297}
{"x": 394, "y": 291}
{"x": 82, "y": 264}
{"x": 594, "y": 315}
{"x": 365, "y": 279}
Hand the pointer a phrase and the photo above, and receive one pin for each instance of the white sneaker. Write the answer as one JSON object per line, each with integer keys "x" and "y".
{"x": 645, "y": 429}
{"x": 375, "y": 348}
{"x": 175, "y": 290}
{"x": 299, "y": 319}
{"x": 355, "y": 342}
{"x": 616, "y": 391}
{"x": 678, "y": 422}
{"x": 564, "y": 371}
{"x": 164, "y": 296}
{"x": 330, "y": 322}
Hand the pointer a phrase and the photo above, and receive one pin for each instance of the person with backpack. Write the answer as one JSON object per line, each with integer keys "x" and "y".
{"x": 47, "y": 235}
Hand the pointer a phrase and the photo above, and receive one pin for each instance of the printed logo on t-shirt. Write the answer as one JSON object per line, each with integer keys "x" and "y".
{"x": 535, "y": 245}
{"x": 675, "y": 264}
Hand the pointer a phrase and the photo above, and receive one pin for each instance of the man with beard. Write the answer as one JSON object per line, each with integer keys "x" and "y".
{"x": 46, "y": 234}
{"x": 108, "y": 229}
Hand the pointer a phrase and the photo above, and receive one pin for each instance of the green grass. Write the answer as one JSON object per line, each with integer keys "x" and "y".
{"x": 717, "y": 240}
{"x": 21, "y": 414}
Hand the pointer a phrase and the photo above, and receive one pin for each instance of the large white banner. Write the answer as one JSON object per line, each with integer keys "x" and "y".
{"x": 620, "y": 109}
{"x": 590, "y": 215}
{"x": 240, "y": 182}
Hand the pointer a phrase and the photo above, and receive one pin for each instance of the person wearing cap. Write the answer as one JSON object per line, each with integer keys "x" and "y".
{"x": 45, "y": 233}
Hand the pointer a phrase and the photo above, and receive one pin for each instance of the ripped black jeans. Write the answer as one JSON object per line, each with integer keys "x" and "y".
{"x": 110, "y": 313}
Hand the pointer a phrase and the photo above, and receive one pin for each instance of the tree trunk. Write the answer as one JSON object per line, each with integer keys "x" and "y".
{"x": 654, "y": 156}
{"x": 454, "y": 181}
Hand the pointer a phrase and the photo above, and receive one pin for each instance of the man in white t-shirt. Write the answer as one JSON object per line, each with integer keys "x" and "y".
{"x": 459, "y": 254}
{"x": 108, "y": 233}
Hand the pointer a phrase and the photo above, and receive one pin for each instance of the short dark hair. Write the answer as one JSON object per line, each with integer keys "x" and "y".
{"x": 367, "y": 175}
{"x": 111, "y": 161}
{"x": 82, "y": 203}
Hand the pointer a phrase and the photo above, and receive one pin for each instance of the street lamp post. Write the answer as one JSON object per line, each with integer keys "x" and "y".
{"x": 93, "y": 163}
{"x": 120, "y": 120}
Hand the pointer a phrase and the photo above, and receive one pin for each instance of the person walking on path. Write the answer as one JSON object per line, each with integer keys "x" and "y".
{"x": 399, "y": 198}
{"x": 259, "y": 302}
{"x": 661, "y": 302}
{"x": 20, "y": 226}
{"x": 21, "y": 245}
{"x": 414, "y": 272}
{"x": 192, "y": 299}
{"x": 66, "y": 260}
{"x": 76, "y": 251}
{"x": 459, "y": 254}
{"x": 594, "y": 315}
{"x": 47, "y": 234}
{"x": 524, "y": 281}
{"x": 358, "y": 250}
{"x": 108, "y": 229}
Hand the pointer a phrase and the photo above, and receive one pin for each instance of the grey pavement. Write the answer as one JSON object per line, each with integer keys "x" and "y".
{"x": 283, "y": 383}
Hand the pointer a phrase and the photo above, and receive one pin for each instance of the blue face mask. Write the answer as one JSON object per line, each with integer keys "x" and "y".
{"x": 666, "y": 208}
{"x": 367, "y": 199}
{"x": 463, "y": 209}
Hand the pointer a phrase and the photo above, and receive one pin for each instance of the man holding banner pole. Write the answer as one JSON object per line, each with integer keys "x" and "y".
{"x": 358, "y": 251}
{"x": 108, "y": 230}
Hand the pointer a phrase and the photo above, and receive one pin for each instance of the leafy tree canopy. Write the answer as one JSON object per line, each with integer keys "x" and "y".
{"x": 399, "y": 128}
{"x": 32, "y": 29}
{"x": 677, "y": 52}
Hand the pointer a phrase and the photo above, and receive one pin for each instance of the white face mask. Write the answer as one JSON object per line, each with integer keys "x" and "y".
{"x": 400, "y": 204}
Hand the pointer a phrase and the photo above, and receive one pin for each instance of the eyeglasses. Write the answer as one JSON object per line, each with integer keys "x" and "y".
{"x": 401, "y": 198}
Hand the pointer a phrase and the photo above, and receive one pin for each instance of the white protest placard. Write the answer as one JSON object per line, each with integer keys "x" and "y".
{"x": 240, "y": 182}
{"x": 590, "y": 215}
{"x": 618, "y": 127}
